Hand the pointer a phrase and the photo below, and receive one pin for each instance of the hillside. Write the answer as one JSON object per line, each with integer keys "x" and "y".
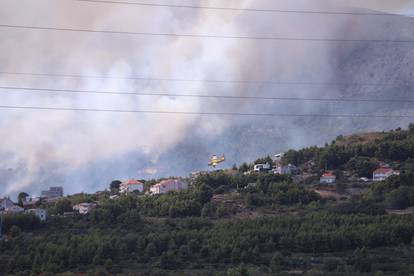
{"x": 361, "y": 138}
{"x": 239, "y": 222}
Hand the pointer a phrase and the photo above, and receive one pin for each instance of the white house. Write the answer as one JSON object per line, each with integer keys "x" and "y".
{"x": 289, "y": 169}
{"x": 131, "y": 186}
{"x": 40, "y": 213}
{"x": 327, "y": 178}
{"x": 5, "y": 203}
{"x": 169, "y": 185}
{"x": 383, "y": 173}
{"x": 262, "y": 167}
{"x": 277, "y": 158}
{"x": 84, "y": 208}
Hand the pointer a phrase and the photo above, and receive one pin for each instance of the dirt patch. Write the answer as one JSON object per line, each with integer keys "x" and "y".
{"x": 407, "y": 211}
{"x": 332, "y": 194}
{"x": 362, "y": 138}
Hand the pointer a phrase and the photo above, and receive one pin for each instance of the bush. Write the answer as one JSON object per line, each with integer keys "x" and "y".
{"x": 23, "y": 221}
{"x": 401, "y": 198}
{"x": 15, "y": 231}
{"x": 363, "y": 166}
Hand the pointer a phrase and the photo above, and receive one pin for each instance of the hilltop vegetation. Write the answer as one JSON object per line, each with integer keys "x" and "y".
{"x": 396, "y": 145}
{"x": 231, "y": 223}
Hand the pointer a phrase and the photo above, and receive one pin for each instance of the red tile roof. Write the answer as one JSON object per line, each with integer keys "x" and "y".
{"x": 383, "y": 170}
{"x": 328, "y": 174}
{"x": 168, "y": 182}
{"x": 133, "y": 182}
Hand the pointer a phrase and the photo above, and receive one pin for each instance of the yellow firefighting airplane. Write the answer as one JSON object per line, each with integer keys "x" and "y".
{"x": 214, "y": 160}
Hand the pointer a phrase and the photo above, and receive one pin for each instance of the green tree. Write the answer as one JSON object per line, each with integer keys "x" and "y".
{"x": 244, "y": 167}
{"x": 361, "y": 260}
{"x": 363, "y": 166}
{"x": 222, "y": 211}
{"x": 204, "y": 194}
{"x": 264, "y": 160}
{"x": 277, "y": 263}
{"x": 114, "y": 186}
{"x": 184, "y": 252}
{"x": 411, "y": 129}
{"x": 400, "y": 198}
{"x": 168, "y": 260}
{"x": 240, "y": 270}
{"x": 15, "y": 231}
{"x": 151, "y": 250}
{"x": 208, "y": 210}
{"x": 108, "y": 264}
{"x": 62, "y": 206}
{"x": 22, "y": 198}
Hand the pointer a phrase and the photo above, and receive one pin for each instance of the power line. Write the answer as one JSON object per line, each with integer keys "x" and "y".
{"x": 18, "y": 107}
{"x": 164, "y": 94}
{"x": 196, "y": 80}
{"x": 263, "y": 38}
{"x": 241, "y": 9}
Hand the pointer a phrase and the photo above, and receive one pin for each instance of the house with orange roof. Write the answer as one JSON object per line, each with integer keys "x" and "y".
{"x": 327, "y": 178}
{"x": 383, "y": 173}
{"x": 131, "y": 185}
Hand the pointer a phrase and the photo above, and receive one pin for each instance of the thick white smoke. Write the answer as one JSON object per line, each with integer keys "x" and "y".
{"x": 40, "y": 147}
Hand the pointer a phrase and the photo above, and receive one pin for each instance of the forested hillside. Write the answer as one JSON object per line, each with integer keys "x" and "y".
{"x": 235, "y": 223}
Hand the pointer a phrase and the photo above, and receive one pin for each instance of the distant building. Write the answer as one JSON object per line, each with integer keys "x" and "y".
{"x": 53, "y": 192}
{"x": 40, "y": 213}
{"x": 131, "y": 186}
{"x": 327, "y": 178}
{"x": 277, "y": 158}
{"x": 289, "y": 169}
{"x": 195, "y": 174}
{"x": 169, "y": 185}
{"x": 5, "y": 203}
{"x": 262, "y": 167}
{"x": 84, "y": 208}
{"x": 383, "y": 173}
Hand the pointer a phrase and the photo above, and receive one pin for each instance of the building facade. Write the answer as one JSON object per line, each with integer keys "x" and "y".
{"x": 84, "y": 208}
{"x": 289, "y": 169}
{"x": 131, "y": 186}
{"x": 5, "y": 203}
{"x": 381, "y": 174}
{"x": 53, "y": 192}
{"x": 40, "y": 213}
{"x": 327, "y": 178}
{"x": 262, "y": 167}
{"x": 169, "y": 185}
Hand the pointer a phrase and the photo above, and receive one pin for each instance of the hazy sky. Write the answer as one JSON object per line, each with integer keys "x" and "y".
{"x": 84, "y": 151}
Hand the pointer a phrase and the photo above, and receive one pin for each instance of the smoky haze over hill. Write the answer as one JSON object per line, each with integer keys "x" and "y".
{"x": 85, "y": 151}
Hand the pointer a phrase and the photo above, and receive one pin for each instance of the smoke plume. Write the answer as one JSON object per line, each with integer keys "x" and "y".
{"x": 84, "y": 151}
